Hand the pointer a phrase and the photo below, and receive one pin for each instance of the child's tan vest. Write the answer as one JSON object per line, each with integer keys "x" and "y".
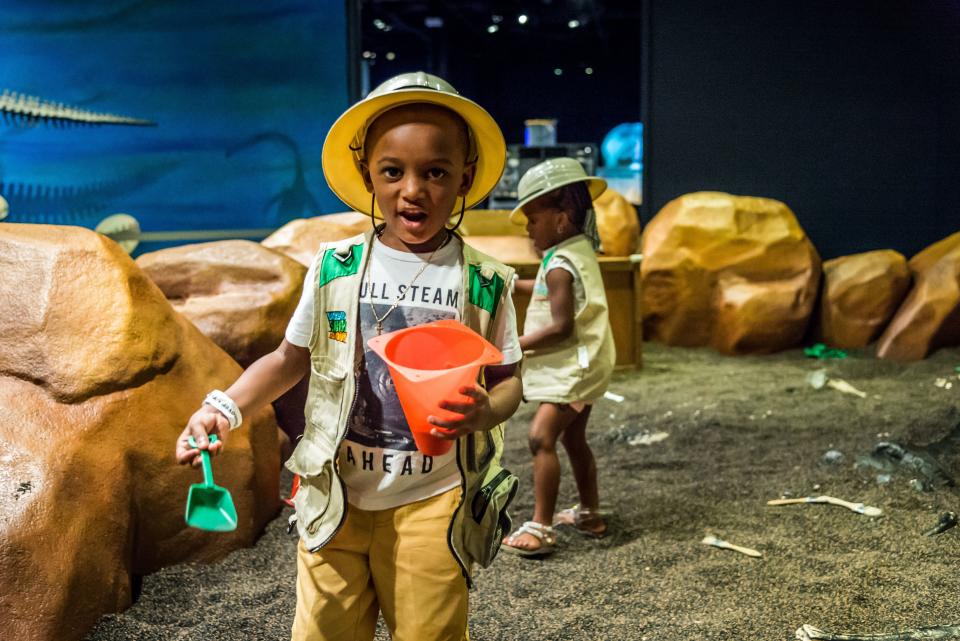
{"x": 579, "y": 368}
{"x": 481, "y": 519}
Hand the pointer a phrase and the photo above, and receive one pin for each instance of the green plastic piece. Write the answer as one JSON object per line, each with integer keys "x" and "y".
{"x": 822, "y": 352}
{"x": 209, "y": 507}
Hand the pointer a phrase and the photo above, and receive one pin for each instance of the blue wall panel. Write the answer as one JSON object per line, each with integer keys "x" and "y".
{"x": 242, "y": 95}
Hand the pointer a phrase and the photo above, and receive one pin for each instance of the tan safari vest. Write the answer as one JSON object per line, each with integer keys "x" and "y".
{"x": 579, "y": 368}
{"x": 481, "y": 519}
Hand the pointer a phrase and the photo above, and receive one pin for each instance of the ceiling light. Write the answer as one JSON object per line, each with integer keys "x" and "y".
{"x": 379, "y": 24}
{"x": 433, "y": 22}
{"x": 493, "y": 28}
{"x": 573, "y": 24}
{"x": 558, "y": 71}
{"x": 588, "y": 70}
{"x": 393, "y": 56}
{"x": 522, "y": 18}
{"x": 495, "y": 19}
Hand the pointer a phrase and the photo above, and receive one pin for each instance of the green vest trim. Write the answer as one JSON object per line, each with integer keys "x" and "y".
{"x": 547, "y": 257}
{"x": 485, "y": 291}
{"x": 334, "y": 265}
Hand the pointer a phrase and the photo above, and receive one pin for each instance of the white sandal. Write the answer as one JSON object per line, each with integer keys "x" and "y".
{"x": 543, "y": 533}
{"x": 589, "y": 523}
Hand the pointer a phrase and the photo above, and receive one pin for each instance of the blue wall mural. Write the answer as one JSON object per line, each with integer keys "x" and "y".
{"x": 222, "y": 111}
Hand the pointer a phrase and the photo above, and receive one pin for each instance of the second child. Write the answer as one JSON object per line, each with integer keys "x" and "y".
{"x": 568, "y": 346}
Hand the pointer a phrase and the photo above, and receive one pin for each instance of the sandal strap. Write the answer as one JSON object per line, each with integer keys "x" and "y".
{"x": 583, "y": 511}
{"x": 539, "y": 530}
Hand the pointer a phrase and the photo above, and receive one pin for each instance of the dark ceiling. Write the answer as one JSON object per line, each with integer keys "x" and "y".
{"x": 574, "y": 60}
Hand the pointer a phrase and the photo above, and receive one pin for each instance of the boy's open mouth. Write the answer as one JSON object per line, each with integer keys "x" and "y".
{"x": 413, "y": 216}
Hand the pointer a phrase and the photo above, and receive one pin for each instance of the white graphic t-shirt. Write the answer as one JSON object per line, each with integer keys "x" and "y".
{"x": 378, "y": 460}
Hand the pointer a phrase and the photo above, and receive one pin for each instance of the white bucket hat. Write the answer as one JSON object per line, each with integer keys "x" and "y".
{"x": 549, "y": 175}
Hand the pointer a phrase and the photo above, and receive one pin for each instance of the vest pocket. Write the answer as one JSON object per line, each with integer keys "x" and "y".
{"x": 488, "y": 519}
{"x": 313, "y": 453}
{"x": 325, "y": 397}
{"x": 327, "y": 369}
{"x": 313, "y": 498}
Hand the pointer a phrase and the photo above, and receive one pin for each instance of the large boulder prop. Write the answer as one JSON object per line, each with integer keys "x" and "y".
{"x": 860, "y": 295}
{"x": 617, "y": 224}
{"x": 733, "y": 272}
{"x": 929, "y": 318}
{"x": 98, "y": 376}
{"x": 490, "y": 231}
{"x": 507, "y": 249}
{"x": 301, "y": 238}
{"x": 241, "y": 295}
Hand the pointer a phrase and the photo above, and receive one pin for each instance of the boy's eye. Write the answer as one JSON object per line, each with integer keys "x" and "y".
{"x": 390, "y": 172}
{"x": 436, "y": 173}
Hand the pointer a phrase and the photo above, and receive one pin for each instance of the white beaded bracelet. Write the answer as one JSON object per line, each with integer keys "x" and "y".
{"x": 225, "y": 405}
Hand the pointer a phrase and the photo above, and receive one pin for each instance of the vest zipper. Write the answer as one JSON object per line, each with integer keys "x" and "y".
{"x": 463, "y": 500}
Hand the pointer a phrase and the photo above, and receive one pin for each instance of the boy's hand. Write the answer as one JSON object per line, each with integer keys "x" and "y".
{"x": 204, "y": 421}
{"x": 477, "y": 414}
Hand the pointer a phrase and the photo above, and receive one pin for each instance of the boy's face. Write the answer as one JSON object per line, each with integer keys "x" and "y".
{"x": 416, "y": 164}
{"x": 546, "y": 226}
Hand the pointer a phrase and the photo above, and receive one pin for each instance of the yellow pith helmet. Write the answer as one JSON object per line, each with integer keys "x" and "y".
{"x": 549, "y": 175}
{"x": 344, "y": 147}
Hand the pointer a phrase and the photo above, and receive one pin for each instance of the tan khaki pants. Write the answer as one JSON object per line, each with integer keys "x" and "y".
{"x": 396, "y": 561}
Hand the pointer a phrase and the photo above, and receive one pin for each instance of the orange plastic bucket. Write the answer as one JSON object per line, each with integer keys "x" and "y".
{"x": 429, "y": 363}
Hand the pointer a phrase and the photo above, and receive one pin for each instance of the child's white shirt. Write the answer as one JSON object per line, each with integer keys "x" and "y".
{"x": 378, "y": 460}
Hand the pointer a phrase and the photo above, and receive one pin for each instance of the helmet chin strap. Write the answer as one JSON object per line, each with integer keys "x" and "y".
{"x": 377, "y": 227}
{"x": 463, "y": 207}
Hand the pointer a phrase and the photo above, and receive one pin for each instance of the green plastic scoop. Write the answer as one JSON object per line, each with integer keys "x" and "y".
{"x": 209, "y": 507}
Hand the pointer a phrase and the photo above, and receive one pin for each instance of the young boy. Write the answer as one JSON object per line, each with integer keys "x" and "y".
{"x": 383, "y": 527}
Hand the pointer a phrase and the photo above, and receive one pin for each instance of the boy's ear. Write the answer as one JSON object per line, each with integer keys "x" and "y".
{"x": 365, "y": 174}
{"x": 469, "y": 173}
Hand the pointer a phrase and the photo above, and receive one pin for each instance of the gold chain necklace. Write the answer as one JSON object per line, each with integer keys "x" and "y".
{"x": 396, "y": 303}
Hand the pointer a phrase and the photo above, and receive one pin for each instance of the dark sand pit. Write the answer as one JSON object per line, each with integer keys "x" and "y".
{"x": 741, "y": 431}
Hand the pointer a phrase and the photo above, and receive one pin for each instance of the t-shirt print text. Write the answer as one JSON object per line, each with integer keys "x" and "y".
{"x": 424, "y": 294}
{"x": 386, "y": 462}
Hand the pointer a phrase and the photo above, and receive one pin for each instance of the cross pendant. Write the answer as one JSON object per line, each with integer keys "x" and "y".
{"x": 379, "y": 328}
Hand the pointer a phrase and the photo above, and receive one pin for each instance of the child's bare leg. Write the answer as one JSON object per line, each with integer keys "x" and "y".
{"x": 584, "y": 517}
{"x": 584, "y": 466}
{"x": 548, "y": 423}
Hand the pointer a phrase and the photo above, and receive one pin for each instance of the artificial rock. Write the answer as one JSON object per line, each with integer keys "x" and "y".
{"x": 737, "y": 273}
{"x": 617, "y": 224}
{"x": 240, "y": 294}
{"x": 98, "y": 376}
{"x": 929, "y": 318}
{"x": 506, "y": 249}
{"x": 299, "y": 239}
{"x": 859, "y": 296}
